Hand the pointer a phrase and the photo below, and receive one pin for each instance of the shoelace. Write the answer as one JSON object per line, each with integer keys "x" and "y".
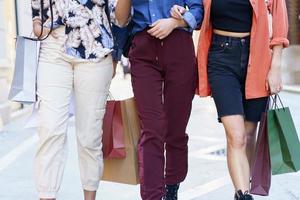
{"x": 172, "y": 191}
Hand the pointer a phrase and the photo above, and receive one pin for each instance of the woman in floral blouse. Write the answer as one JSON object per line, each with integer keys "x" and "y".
{"x": 75, "y": 58}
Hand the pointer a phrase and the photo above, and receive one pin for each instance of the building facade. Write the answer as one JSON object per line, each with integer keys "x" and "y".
{"x": 7, "y": 37}
{"x": 294, "y": 20}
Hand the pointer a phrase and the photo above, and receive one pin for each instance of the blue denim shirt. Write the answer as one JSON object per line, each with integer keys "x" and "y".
{"x": 146, "y": 12}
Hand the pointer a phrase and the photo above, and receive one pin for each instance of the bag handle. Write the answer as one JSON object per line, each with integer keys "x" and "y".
{"x": 52, "y": 18}
{"x": 280, "y": 100}
{"x": 275, "y": 100}
{"x": 268, "y": 104}
{"x": 39, "y": 38}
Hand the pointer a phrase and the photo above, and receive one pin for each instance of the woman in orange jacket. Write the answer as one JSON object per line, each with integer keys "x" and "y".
{"x": 239, "y": 66}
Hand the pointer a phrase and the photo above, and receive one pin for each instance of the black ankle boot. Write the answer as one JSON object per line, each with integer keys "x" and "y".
{"x": 172, "y": 192}
{"x": 248, "y": 196}
{"x": 240, "y": 196}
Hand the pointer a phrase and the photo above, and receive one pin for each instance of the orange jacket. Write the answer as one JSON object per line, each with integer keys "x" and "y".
{"x": 260, "y": 47}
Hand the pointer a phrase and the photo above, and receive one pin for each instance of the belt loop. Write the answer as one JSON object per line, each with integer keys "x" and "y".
{"x": 243, "y": 41}
{"x": 229, "y": 40}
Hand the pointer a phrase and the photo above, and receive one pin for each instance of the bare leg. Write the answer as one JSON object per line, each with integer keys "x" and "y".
{"x": 89, "y": 195}
{"x": 237, "y": 160}
{"x": 251, "y": 128}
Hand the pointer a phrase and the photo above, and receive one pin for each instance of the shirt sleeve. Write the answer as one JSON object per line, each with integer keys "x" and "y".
{"x": 194, "y": 16}
{"x": 112, "y": 10}
{"x": 280, "y": 24}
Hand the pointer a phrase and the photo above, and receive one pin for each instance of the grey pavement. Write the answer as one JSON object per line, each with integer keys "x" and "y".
{"x": 207, "y": 179}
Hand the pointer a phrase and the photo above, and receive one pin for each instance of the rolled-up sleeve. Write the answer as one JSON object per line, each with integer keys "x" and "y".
{"x": 194, "y": 16}
{"x": 280, "y": 23}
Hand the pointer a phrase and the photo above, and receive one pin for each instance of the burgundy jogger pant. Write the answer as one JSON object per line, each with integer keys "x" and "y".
{"x": 164, "y": 78}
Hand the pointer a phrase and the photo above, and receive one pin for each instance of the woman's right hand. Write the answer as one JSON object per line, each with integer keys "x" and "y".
{"x": 177, "y": 12}
{"x": 37, "y": 28}
{"x": 274, "y": 79}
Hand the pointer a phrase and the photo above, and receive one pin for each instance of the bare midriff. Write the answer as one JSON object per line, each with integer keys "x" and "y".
{"x": 231, "y": 34}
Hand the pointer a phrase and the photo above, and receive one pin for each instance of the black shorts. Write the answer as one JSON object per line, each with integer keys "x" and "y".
{"x": 227, "y": 69}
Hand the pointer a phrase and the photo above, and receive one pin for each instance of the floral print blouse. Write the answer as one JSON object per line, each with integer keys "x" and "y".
{"x": 88, "y": 33}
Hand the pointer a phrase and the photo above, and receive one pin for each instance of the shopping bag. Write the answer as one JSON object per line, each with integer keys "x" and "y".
{"x": 284, "y": 143}
{"x": 261, "y": 167}
{"x": 113, "y": 132}
{"x": 126, "y": 170}
{"x": 23, "y": 88}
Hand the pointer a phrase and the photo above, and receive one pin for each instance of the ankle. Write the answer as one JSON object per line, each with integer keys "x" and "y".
{"x": 89, "y": 195}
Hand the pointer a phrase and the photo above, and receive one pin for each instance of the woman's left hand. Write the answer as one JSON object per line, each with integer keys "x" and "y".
{"x": 274, "y": 80}
{"x": 163, "y": 27}
{"x": 177, "y": 12}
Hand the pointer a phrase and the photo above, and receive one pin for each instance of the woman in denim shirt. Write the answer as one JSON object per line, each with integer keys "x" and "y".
{"x": 164, "y": 77}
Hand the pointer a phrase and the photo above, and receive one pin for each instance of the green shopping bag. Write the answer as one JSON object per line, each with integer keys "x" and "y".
{"x": 284, "y": 143}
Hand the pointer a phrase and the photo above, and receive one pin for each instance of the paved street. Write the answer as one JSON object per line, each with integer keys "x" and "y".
{"x": 207, "y": 179}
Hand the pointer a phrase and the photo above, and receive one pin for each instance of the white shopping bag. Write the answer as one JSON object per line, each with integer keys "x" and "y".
{"x": 23, "y": 89}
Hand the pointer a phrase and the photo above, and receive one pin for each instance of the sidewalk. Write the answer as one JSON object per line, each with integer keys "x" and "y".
{"x": 207, "y": 179}
{"x": 292, "y": 88}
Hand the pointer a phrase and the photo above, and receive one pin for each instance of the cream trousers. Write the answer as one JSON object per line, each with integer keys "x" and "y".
{"x": 58, "y": 76}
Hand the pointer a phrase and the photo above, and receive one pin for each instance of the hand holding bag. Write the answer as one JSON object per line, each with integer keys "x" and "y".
{"x": 23, "y": 88}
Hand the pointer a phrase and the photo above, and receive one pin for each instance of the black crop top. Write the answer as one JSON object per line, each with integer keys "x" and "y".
{"x": 232, "y": 15}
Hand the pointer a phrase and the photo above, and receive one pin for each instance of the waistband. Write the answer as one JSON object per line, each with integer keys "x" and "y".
{"x": 145, "y": 32}
{"x": 221, "y": 38}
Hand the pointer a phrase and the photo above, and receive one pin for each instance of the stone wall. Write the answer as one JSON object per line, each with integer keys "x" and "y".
{"x": 294, "y": 21}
